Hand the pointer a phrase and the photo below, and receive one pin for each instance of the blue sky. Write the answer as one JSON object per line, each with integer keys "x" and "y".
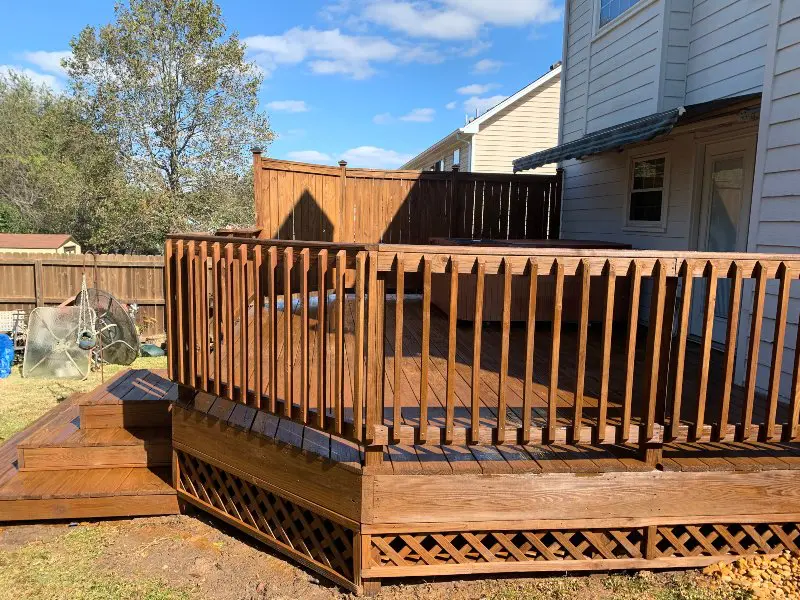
{"x": 371, "y": 81}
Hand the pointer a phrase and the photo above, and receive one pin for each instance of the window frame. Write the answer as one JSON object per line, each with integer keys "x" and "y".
{"x": 600, "y": 31}
{"x": 650, "y": 226}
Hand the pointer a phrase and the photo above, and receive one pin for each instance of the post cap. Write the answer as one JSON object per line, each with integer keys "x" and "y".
{"x": 454, "y": 167}
{"x": 256, "y": 150}
{"x": 342, "y": 163}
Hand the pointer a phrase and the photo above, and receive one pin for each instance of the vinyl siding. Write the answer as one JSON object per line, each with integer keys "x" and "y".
{"x": 576, "y": 69}
{"x": 624, "y": 68}
{"x": 527, "y": 126}
{"x": 678, "y": 20}
{"x": 727, "y": 48}
{"x": 775, "y": 216}
{"x": 424, "y": 162}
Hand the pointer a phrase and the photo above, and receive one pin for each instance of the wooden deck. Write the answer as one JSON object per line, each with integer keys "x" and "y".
{"x": 103, "y": 454}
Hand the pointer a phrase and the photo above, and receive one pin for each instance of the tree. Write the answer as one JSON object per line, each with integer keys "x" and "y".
{"x": 177, "y": 94}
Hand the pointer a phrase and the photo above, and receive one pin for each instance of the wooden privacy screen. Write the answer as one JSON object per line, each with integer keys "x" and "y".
{"x": 299, "y": 201}
{"x": 31, "y": 280}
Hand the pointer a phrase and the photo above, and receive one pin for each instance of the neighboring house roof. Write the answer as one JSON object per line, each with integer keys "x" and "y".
{"x": 630, "y": 132}
{"x": 35, "y": 241}
{"x": 473, "y": 126}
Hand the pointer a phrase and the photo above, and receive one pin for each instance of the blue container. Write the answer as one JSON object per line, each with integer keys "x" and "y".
{"x": 6, "y": 355}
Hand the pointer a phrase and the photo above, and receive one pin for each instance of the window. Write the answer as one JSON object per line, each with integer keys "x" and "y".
{"x": 611, "y": 9}
{"x": 647, "y": 192}
{"x": 69, "y": 249}
{"x": 456, "y": 156}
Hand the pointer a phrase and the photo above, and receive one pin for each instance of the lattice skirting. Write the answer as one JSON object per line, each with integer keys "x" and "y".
{"x": 569, "y": 549}
{"x": 312, "y": 539}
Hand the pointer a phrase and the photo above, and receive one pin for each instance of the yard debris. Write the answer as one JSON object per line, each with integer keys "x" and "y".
{"x": 765, "y": 577}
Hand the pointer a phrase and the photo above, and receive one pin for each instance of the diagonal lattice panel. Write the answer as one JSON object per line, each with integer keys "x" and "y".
{"x": 319, "y": 539}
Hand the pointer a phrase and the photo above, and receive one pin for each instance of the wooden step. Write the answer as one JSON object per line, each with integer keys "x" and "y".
{"x": 87, "y": 493}
{"x": 95, "y": 449}
{"x": 128, "y": 414}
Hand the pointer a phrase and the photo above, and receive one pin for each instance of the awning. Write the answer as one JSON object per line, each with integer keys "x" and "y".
{"x": 638, "y": 130}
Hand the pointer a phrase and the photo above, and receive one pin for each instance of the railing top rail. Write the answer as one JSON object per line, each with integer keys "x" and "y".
{"x": 200, "y": 237}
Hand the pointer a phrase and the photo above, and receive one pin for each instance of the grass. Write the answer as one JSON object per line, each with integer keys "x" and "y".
{"x": 22, "y": 401}
{"x": 64, "y": 568}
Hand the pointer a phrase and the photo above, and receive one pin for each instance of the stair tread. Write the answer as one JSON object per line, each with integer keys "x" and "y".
{"x": 117, "y": 436}
{"x": 87, "y": 483}
{"x": 135, "y": 386}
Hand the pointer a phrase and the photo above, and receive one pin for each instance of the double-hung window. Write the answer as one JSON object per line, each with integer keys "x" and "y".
{"x": 648, "y": 190}
{"x": 611, "y": 9}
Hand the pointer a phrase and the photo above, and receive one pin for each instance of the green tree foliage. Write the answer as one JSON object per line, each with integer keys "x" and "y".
{"x": 153, "y": 136}
{"x": 176, "y": 93}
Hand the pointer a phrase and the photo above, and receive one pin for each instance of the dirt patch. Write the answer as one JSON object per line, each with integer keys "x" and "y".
{"x": 192, "y": 556}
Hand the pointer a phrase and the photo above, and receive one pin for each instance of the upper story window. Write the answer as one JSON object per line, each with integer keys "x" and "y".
{"x": 456, "y": 156}
{"x": 648, "y": 189}
{"x": 611, "y": 9}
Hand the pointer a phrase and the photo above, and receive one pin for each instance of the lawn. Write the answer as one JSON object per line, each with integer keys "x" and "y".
{"x": 22, "y": 401}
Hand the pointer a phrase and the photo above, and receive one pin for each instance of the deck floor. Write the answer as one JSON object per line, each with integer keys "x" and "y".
{"x": 408, "y": 393}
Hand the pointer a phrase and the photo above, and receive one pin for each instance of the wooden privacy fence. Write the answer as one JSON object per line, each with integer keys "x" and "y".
{"x": 308, "y": 332}
{"x": 29, "y": 280}
{"x": 299, "y": 201}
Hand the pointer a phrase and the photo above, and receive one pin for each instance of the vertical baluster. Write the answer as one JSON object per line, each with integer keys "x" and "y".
{"x": 653, "y": 361}
{"x": 288, "y": 342}
{"x": 734, "y": 303}
{"x": 191, "y": 296}
{"x": 785, "y": 282}
{"x": 790, "y": 432}
{"x": 760, "y": 273}
{"x": 244, "y": 350}
{"x": 305, "y": 266}
{"x": 530, "y": 331}
{"x": 605, "y": 366}
{"x": 686, "y": 274}
{"x": 322, "y": 350}
{"x": 230, "y": 304}
{"x": 398, "y": 347}
{"x": 475, "y": 407}
{"x": 373, "y": 416}
{"x": 341, "y": 266}
{"x": 272, "y": 328}
{"x": 451, "y": 353}
{"x": 635, "y": 277}
{"x": 258, "y": 312}
{"x": 170, "y": 304}
{"x": 555, "y": 351}
{"x": 504, "y": 340}
{"x": 583, "y": 331}
{"x": 181, "y": 326}
{"x": 426, "y": 349}
{"x": 216, "y": 279}
{"x": 358, "y": 360}
{"x": 710, "y": 275}
{"x": 205, "y": 347}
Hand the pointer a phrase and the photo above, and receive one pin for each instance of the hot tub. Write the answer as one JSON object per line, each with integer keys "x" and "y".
{"x": 493, "y": 286}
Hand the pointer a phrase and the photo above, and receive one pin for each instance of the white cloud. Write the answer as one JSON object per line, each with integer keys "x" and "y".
{"x": 479, "y": 105}
{"x": 419, "y": 115}
{"x": 50, "y": 62}
{"x": 292, "y": 106}
{"x": 375, "y": 158}
{"x": 475, "y": 89}
{"x": 329, "y": 52}
{"x": 486, "y": 65}
{"x": 37, "y": 78}
{"x": 459, "y": 19}
{"x": 450, "y": 105}
{"x": 310, "y": 156}
{"x": 382, "y": 118}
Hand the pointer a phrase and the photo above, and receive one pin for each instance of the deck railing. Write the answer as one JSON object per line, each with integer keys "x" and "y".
{"x": 614, "y": 346}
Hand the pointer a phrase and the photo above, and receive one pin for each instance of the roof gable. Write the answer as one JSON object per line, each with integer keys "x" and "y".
{"x": 34, "y": 241}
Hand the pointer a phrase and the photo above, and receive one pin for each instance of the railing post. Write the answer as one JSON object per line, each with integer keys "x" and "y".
{"x": 373, "y": 456}
{"x": 342, "y": 198}
{"x": 650, "y": 450}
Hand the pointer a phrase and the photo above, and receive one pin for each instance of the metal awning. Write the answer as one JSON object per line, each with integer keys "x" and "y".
{"x": 638, "y": 130}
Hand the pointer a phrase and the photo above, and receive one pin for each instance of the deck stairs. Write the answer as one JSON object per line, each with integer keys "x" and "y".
{"x": 106, "y": 453}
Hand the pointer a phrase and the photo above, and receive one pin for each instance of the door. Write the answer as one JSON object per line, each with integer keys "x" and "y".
{"x": 724, "y": 219}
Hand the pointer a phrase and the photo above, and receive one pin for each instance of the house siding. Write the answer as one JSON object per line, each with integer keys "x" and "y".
{"x": 424, "y": 162}
{"x": 775, "y": 212}
{"x": 527, "y": 126}
{"x": 727, "y": 48}
{"x": 675, "y": 53}
{"x": 576, "y": 69}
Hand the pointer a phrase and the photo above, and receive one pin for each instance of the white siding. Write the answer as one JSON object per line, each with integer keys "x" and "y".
{"x": 775, "y": 215}
{"x": 676, "y": 53}
{"x": 624, "y": 68}
{"x": 527, "y": 126}
{"x": 576, "y": 69}
{"x": 727, "y": 48}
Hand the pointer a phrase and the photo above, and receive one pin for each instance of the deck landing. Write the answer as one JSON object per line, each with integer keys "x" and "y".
{"x": 73, "y": 463}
